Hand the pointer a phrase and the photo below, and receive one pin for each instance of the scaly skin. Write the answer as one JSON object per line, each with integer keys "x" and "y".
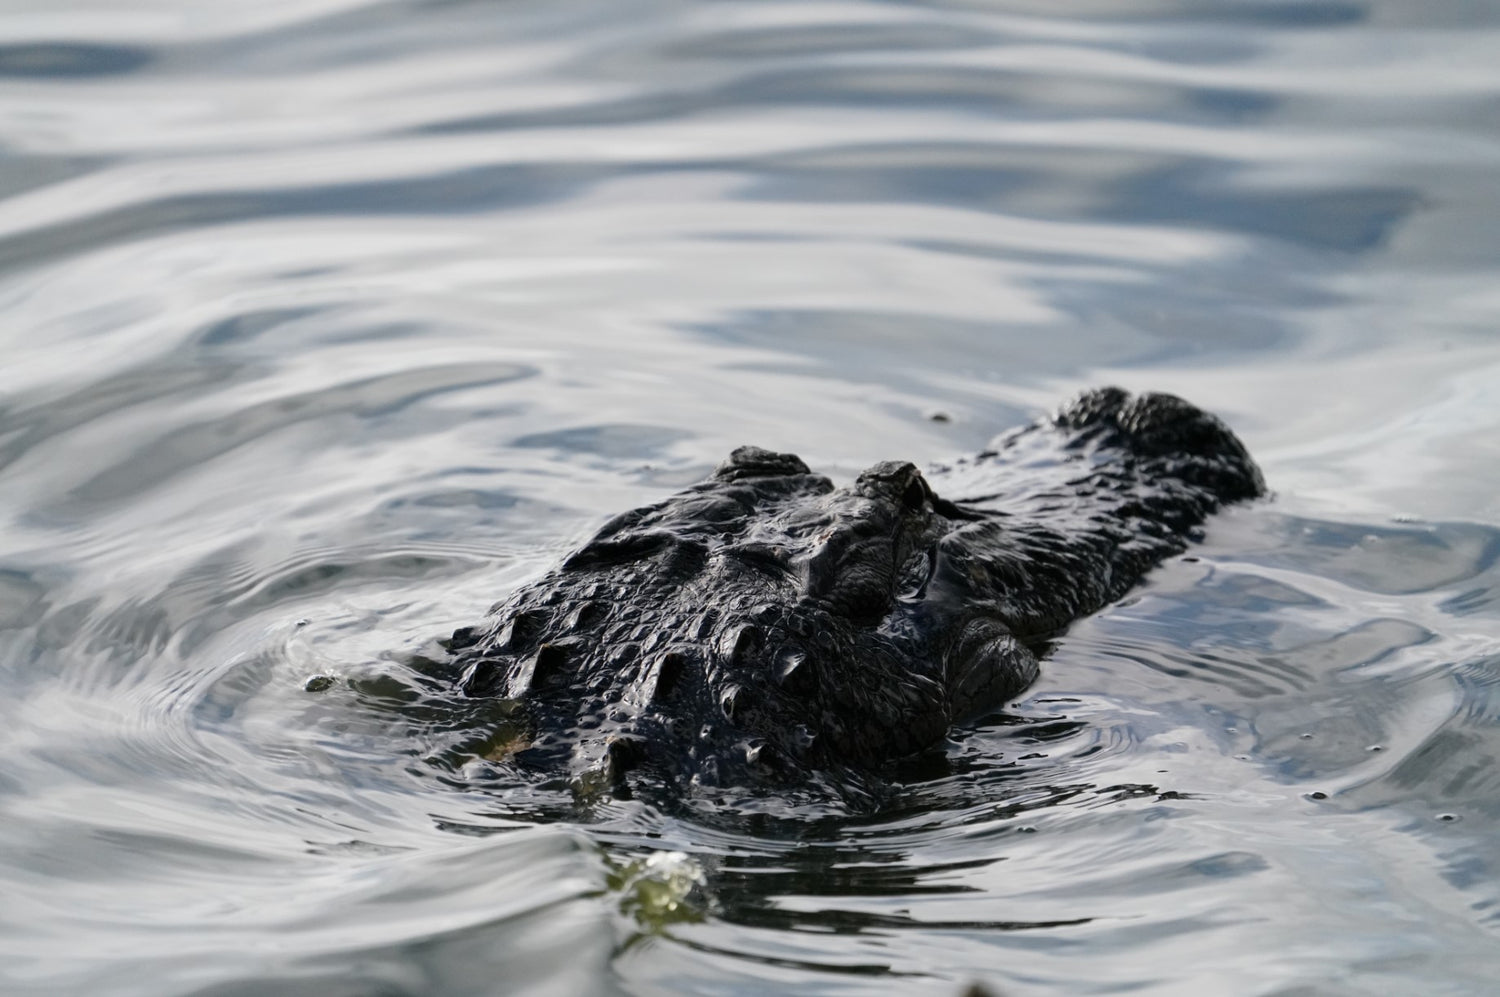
{"x": 764, "y": 625}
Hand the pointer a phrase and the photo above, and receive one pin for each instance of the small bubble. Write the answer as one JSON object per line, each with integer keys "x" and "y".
{"x": 1025, "y": 829}
{"x": 1305, "y": 736}
{"x": 1242, "y": 758}
{"x": 1317, "y": 795}
{"x": 1448, "y": 818}
{"x": 319, "y": 683}
{"x": 939, "y": 417}
{"x": 1376, "y": 747}
{"x": 1231, "y": 730}
{"x": 302, "y": 622}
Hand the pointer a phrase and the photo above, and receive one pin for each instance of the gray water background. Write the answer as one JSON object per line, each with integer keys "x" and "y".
{"x": 326, "y": 323}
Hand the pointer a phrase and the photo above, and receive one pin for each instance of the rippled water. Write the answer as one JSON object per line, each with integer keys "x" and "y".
{"x": 329, "y": 322}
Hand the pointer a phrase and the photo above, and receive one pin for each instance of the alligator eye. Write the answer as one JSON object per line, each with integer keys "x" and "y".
{"x": 915, "y": 496}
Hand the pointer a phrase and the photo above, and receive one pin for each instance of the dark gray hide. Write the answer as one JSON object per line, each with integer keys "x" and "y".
{"x": 764, "y": 625}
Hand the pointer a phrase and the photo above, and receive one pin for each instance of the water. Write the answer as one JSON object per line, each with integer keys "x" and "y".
{"x": 328, "y": 323}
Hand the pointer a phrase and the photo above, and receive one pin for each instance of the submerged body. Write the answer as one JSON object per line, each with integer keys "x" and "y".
{"x": 764, "y": 625}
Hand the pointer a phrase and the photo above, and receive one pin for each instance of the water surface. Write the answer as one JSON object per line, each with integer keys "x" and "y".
{"x": 329, "y": 323}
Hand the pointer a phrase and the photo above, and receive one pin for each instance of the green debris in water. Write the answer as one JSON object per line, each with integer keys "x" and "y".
{"x": 660, "y": 890}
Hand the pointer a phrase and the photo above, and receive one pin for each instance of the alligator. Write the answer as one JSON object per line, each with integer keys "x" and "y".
{"x": 764, "y": 626}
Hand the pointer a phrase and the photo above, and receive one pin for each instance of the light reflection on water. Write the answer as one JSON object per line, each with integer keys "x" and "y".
{"x": 329, "y": 323}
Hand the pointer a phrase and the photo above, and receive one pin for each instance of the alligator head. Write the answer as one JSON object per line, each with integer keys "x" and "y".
{"x": 764, "y": 624}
